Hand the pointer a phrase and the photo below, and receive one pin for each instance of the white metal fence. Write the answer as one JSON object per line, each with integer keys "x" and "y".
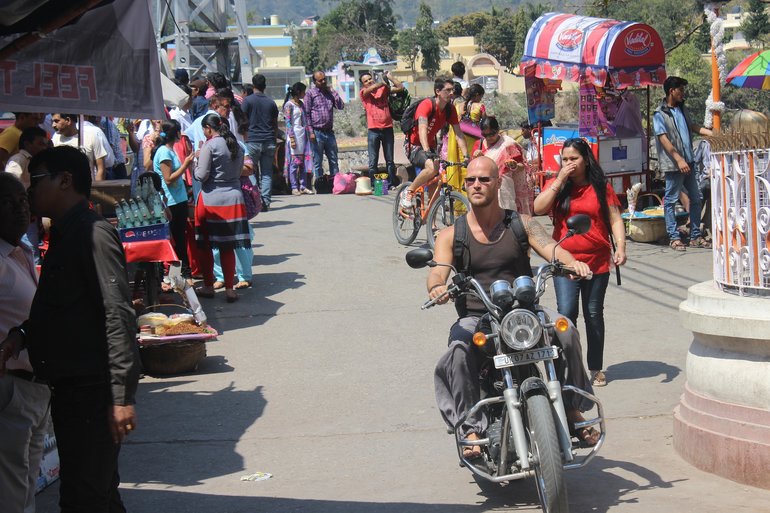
{"x": 740, "y": 199}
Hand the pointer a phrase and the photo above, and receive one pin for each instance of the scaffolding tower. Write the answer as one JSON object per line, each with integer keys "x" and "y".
{"x": 197, "y": 29}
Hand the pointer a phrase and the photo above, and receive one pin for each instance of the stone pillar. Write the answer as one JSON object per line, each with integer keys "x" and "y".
{"x": 722, "y": 423}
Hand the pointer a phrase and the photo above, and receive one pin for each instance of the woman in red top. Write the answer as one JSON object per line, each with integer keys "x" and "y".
{"x": 581, "y": 188}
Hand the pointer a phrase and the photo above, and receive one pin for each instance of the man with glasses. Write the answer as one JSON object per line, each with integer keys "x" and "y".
{"x": 320, "y": 102}
{"x": 262, "y": 113}
{"x": 431, "y": 116}
{"x": 493, "y": 252}
{"x": 80, "y": 333}
{"x": 673, "y": 129}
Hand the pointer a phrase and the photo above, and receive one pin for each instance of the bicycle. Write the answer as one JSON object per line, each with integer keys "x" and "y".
{"x": 439, "y": 211}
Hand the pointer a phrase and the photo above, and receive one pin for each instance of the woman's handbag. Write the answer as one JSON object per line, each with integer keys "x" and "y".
{"x": 251, "y": 197}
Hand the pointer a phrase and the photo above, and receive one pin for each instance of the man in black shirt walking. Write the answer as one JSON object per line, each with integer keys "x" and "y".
{"x": 81, "y": 333}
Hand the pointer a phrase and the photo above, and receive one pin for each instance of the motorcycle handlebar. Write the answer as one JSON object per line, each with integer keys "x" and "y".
{"x": 458, "y": 288}
{"x": 462, "y": 284}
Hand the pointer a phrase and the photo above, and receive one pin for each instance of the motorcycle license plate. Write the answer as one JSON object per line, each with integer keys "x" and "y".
{"x": 525, "y": 357}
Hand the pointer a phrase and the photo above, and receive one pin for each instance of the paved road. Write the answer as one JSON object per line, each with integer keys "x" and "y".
{"x": 323, "y": 377}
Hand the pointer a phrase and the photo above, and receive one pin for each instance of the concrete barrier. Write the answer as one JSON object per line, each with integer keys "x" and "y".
{"x": 722, "y": 423}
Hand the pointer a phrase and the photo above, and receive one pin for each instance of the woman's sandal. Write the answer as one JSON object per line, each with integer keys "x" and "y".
{"x": 202, "y": 292}
{"x": 677, "y": 245}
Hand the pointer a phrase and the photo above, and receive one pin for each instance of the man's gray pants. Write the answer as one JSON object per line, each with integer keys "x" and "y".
{"x": 24, "y": 422}
{"x": 456, "y": 379}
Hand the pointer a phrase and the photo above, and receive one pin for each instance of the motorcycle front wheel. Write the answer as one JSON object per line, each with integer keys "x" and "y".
{"x": 546, "y": 452}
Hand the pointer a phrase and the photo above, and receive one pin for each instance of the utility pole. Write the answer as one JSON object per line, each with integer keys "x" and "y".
{"x": 197, "y": 29}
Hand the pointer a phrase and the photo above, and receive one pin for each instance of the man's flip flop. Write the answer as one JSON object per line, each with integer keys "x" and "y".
{"x": 588, "y": 436}
{"x": 471, "y": 453}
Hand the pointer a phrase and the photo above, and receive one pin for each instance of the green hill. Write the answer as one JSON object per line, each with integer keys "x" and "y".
{"x": 297, "y": 10}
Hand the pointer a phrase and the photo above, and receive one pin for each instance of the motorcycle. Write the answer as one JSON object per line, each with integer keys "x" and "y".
{"x": 528, "y": 433}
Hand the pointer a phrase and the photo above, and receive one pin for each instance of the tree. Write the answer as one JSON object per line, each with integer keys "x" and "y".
{"x": 471, "y": 24}
{"x": 428, "y": 40}
{"x": 756, "y": 26}
{"x": 671, "y": 20}
{"x": 408, "y": 46}
{"x": 306, "y": 53}
{"x": 347, "y": 32}
{"x": 686, "y": 62}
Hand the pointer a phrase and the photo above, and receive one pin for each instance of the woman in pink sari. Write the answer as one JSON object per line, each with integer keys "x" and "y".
{"x": 515, "y": 193}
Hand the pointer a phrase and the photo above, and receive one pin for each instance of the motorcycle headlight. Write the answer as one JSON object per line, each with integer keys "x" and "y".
{"x": 521, "y": 329}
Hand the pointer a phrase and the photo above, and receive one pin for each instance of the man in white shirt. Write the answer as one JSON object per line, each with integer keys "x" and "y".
{"x": 96, "y": 148}
{"x": 24, "y": 413}
{"x": 90, "y": 129}
{"x": 458, "y": 74}
{"x": 182, "y": 114}
{"x": 33, "y": 140}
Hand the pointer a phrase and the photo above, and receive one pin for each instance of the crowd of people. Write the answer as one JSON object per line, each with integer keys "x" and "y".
{"x": 213, "y": 161}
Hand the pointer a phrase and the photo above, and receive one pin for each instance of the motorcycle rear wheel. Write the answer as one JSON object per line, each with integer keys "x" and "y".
{"x": 549, "y": 470}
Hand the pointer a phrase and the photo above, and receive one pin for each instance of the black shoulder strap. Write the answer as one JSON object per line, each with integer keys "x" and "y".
{"x": 513, "y": 220}
{"x": 460, "y": 244}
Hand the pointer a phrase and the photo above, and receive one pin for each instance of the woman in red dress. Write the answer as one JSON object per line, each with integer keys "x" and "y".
{"x": 582, "y": 188}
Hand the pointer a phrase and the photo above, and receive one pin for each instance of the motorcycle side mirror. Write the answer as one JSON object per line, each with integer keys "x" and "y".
{"x": 579, "y": 224}
{"x": 419, "y": 258}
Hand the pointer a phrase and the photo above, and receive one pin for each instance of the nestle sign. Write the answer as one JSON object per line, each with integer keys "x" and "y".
{"x": 638, "y": 42}
{"x": 569, "y": 39}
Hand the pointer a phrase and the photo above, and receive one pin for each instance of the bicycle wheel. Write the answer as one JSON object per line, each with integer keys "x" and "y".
{"x": 404, "y": 228}
{"x": 444, "y": 212}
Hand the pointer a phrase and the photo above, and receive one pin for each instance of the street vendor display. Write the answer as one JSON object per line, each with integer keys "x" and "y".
{"x": 606, "y": 58}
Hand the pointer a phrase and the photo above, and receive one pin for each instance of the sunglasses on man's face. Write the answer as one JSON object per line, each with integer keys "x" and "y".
{"x": 470, "y": 180}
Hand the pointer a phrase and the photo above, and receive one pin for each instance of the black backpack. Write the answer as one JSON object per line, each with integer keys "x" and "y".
{"x": 462, "y": 238}
{"x": 398, "y": 103}
{"x": 407, "y": 118}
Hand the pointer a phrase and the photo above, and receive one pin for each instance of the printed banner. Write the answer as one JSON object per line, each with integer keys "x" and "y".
{"x": 541, "y": 100}
{"x": 106, "y": 64}
{"x": 593, "y": 121}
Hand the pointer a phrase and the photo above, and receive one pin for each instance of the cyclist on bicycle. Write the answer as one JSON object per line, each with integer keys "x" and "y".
{"x": 431, "y": 116}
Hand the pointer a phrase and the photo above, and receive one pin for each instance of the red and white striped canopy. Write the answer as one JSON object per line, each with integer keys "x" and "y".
{"x": 569, "y": 47}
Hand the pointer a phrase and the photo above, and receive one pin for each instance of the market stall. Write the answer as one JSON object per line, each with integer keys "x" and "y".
{"x": 607, "y": 59}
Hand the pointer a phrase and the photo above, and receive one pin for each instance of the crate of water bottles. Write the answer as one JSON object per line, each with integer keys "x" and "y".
{"x": 142, "y": 217}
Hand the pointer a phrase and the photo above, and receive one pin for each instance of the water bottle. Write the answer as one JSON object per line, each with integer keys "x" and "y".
{"x": 136, "y": 214}
{"x": 120, "y": 215}
{"x": 157, "y": 209}
{"x": 144, "y": 211}
{"x": 378, "y": 187}
{"x": 128, "y": 216}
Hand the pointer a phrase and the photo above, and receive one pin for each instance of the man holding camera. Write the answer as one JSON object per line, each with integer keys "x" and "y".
{"x": 374, "y": 97}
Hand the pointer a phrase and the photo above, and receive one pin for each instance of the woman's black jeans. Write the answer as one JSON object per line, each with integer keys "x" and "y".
{"x": 178, "y": 227}
{"x": 592, "y": 294}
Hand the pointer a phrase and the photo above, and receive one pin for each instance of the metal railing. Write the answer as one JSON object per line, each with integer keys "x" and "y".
{"x": 740, "y": 199}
